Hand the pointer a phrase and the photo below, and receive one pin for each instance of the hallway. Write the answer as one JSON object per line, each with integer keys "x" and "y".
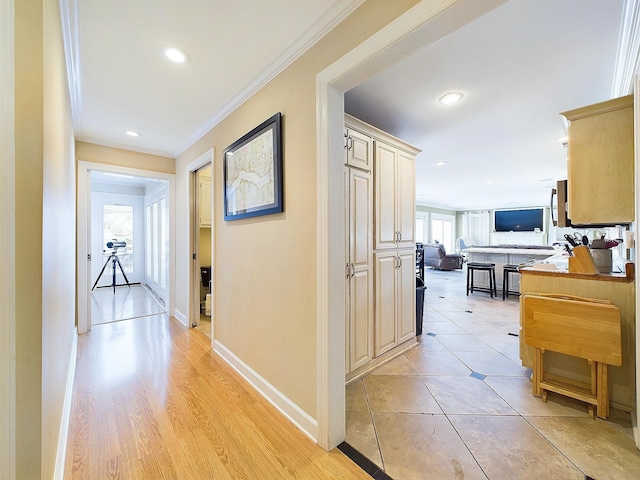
{"x": 460, "y": 404}
{"x": 152, "y": 401}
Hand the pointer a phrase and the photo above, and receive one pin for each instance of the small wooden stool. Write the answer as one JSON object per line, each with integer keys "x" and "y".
{"x": 580, "y": 327}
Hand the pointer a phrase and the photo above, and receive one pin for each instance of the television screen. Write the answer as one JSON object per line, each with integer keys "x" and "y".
{"x": 519, "y": 220}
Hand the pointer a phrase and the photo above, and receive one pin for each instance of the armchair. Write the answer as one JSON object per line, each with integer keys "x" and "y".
{"x": 436, "y": 256}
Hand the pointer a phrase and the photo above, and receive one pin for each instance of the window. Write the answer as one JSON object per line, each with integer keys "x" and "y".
{"x": 443, "y": 230}
{"x": 421, "y": 227}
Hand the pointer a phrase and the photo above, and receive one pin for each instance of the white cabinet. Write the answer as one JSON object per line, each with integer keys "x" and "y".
{"x": 358, "y": 149}
{"x": 395, "y": 299}
{"x": 379, "y": 286}
{"x": 204, "y": 202}
{"x": 395, "y": 208}
{"x": 359, "y": 269}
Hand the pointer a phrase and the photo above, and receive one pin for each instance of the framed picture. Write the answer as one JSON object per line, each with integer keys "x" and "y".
{"x": 253, "y": 172}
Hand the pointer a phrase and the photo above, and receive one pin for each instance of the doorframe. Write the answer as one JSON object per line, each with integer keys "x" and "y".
{"x": 193, "y": 315}
{"x": 422, "y": 25}
{"x": 636, "y": 258}
{"x": 8, "y": 240}
{"x": 84, "y": 237}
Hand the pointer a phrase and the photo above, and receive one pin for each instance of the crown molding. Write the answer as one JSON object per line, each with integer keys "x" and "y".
{"x": 70, "y": 38}
{"x": 627, "y": 61}
{"x": 327, "y": 20}
{"x": 106, "y": 143}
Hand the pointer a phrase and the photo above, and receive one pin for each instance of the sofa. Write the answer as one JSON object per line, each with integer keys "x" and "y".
{"x": 436, "y": 256}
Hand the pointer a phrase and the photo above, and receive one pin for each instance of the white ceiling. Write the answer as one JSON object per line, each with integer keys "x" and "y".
{"x": 121, "y": 81}
{"x": 518, "y": 66}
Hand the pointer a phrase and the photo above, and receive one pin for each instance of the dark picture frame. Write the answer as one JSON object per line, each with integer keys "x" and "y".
{"x": 253, "y": 172}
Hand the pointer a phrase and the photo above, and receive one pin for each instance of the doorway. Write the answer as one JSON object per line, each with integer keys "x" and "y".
{"x": 124, "y": 250}
{"x": 201, "y": 243}
{"x": 202, "y": 247}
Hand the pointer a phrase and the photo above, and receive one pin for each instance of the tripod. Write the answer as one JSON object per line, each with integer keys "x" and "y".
{"x": 114, "y": 259}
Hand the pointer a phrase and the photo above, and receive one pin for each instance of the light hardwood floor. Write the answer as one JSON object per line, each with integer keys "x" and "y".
{"x": 152, "y": 401}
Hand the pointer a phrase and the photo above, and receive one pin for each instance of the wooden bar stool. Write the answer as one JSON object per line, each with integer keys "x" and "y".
{"x": 506, "y": 271}
{"x": 490, "y": 268}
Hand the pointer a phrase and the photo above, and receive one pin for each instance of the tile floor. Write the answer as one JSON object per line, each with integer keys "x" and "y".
{"x": 459, "y": 405}
{"x": 125, "y": 303}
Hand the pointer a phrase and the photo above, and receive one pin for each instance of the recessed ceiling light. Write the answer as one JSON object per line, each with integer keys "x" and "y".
{"x": 440, "y": 163}
{"x": 132, "y": 133}
{"x": 176, "y": 55}
{"x": 450, "y": 98}
{"x": 489, "y": 182}
{"x": 563, "y": 139}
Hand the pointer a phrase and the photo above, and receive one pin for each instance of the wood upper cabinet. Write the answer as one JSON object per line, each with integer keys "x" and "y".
{"x": 358, "y": 149}
{"x": 359, "y": 268}
{"x": 600, "y": 168}
{"x": 394, "y": 174}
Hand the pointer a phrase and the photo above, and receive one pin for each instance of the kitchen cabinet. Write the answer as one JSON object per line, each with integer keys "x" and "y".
{"x": 380, "y": 287}
{"x": 600, "y": 167}
{"x": 358, "y": 149}
{"x": 359, "y": 268}
{"x": 204, "y": 202}
{"x": 395, "y": 299}
{"x": 394, "y": 174}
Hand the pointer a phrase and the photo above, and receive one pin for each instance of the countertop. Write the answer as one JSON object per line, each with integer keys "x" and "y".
{"x": 626, "y": 277}
{"x": 513, "y": 250}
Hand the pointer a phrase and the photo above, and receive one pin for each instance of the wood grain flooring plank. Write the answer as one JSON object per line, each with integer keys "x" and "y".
{"x": 152, "y": 401}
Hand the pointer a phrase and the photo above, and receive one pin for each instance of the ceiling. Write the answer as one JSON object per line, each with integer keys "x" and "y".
{"x": 518, "y": 67}
{"x": 120, "y": 80}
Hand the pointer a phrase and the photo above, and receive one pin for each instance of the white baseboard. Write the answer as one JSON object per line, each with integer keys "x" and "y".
{"x": 302, "y": 420}
{"x": 58, "y": 473}
{"x": 181, "y": 317}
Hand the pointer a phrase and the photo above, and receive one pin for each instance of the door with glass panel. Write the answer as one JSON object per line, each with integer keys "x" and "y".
{"x": 116, "y": 218}
{"x": 156, "y": 240}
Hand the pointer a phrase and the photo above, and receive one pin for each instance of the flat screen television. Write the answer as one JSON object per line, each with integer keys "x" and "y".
{"x": 519, "y": 220}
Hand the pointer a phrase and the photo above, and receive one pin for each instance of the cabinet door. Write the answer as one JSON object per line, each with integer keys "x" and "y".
{"x": 385, "y": 324}
{"x": 204, "y": 204}
{"x": 359, "y": 149}
{"x": 406, "y": 200}
{"x": 361, "y": 319}
{"x": 600, "y": 169}
{"x": 406, "y": 295}
{"x": 385, "y": 172}
{"x": 360, "y": 208}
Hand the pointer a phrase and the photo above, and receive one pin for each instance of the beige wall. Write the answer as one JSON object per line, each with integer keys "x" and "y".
{"x": 58, "y": 238}
{"x": 28, "y": 255}
{"x": 265, "y": 267}
{"x": 45, "y": 269}
{"x": 90, "y": 152}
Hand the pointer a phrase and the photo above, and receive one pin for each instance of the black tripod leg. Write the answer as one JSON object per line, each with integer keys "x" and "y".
{"x": 113, "y": 281}
{"x": 101, "y": 272}
{"x": 123, "y": 274}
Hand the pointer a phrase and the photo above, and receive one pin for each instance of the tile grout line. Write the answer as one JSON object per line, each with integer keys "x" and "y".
{"x": 373, "y": 423}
